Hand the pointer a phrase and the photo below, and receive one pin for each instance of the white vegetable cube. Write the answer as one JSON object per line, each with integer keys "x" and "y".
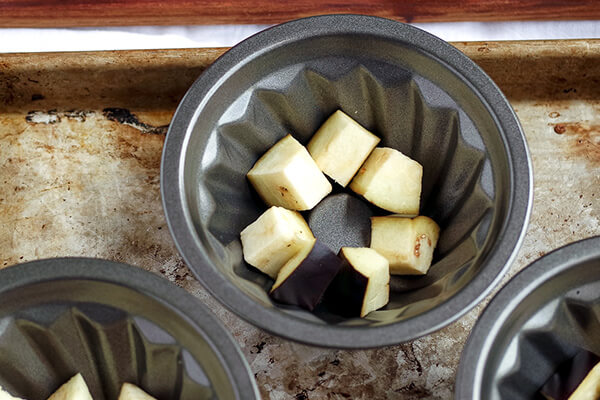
{"x": 274, "y": 238}
{"x": 4, "y": 395}
{"x": 374, "y": 273}
{"x": 130, "y": 391}
{"x": 287, "y": 176}
{"x": 408, "y": 244}
{"x": 74, "y": 389}
{"x": 341, "y": 146}
{"x": 390, "y": 180}
{"x": 589, "y": 388}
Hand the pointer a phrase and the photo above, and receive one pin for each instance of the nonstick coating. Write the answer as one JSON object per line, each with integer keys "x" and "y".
{"x": 419, "y": 95}
{"x": 112, "y": 323}
{"x": 543, "y": 317}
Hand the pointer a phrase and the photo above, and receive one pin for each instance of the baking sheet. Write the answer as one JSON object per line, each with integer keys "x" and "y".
{"x": 80, "y": 144}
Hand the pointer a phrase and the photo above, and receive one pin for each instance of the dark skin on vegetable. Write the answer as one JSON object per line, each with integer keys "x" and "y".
{"x": 568, "y": 376}
{"x": 346, "y": 293}
{"x": 305, "y": 285}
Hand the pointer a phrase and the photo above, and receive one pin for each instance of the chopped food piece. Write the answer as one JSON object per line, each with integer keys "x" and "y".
{"x": 569, "y": 375}
{"x": 341, "y": 146}
{"x": 407, "y": 243}
{"x": 589, "y": 388}
{"x": 275, "y": 237}
{"x": 362, "y": 284}
{"x": 390, "y": 180}
{"x": 74, "y": 389}
{"x": 4, "y": 395}
{"x": 130, "y": 391}
{"x": 304, "y": 279}
{"x": 287, "y": 176}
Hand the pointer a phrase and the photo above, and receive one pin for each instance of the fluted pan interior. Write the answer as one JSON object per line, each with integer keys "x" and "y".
{"x": 419, "y": 95}
{"x": 553, "y": 324}
{"x": 409, "y": 113}
{"x": 109, "y": 332}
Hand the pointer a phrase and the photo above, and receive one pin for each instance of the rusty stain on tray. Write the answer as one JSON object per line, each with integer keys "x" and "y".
{"x": 81, "y": 136}
{"x": 584, "y": 140}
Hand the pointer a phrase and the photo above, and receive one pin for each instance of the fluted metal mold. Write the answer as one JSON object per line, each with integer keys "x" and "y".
{"x": 108, "y": 353}
{"x": 542, "y": 318}
{"x": 389, "y": 103}
{"x": 112, "y": 332}
{"x": 419, "y": 95}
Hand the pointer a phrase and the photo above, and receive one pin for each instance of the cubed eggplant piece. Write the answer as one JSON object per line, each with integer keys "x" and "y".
{"x": 274, "y": 238}
{"x": 130, "y": 391}
{"x": 575, "y": 379}
{"x": 304, "y": 279}
{"x": 341, "y": 146}
{"x": 362, "y": 284}
{"x": 4, "y": 395}
{"x": 408, "y": 244}
{"x": 589, "y": 388}
{"x": 391, "y": 181}
{"x": 287, "y": 176}
{"x": 74, "y": 389}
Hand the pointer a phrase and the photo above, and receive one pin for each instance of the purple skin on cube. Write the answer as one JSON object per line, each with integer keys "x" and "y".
{"x": 568, "y": 376}
{"x": 305, "y": 286}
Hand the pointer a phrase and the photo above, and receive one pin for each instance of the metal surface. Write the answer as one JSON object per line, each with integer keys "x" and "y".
{"x": 541, "y": 318}
{"x": 114, "y": 324}
{"x": 79, "y": 182}
{"x": 420, "y": 95}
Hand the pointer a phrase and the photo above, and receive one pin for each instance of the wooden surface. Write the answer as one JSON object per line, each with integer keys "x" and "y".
{"x": 80, "y": 144}
{"x": 69, "y": 13}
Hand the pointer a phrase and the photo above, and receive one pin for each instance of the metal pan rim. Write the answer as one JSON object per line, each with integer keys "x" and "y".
{"x": 148, "y": 284}
{"x": 182, "y": 231}
{"x": 479, "y": 344}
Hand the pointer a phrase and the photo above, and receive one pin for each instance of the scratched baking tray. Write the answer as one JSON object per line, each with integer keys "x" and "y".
{"x": 81, "y": 136}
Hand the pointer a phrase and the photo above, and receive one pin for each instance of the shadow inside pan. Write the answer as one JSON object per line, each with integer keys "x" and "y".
{"x": 110, "y": 334}
{"x": 466, "y": 187}
{"x": 549, "y": 328}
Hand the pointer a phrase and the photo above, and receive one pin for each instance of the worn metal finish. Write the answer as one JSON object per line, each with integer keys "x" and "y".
{"x": 415, "y": 91}
{"x": 113, "y": 323}
{"x": 90, "y": 187}
{"x": 544, "y": 316}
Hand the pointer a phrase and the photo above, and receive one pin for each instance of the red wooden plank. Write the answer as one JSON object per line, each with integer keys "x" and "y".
{"x": 65, "y": 13}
